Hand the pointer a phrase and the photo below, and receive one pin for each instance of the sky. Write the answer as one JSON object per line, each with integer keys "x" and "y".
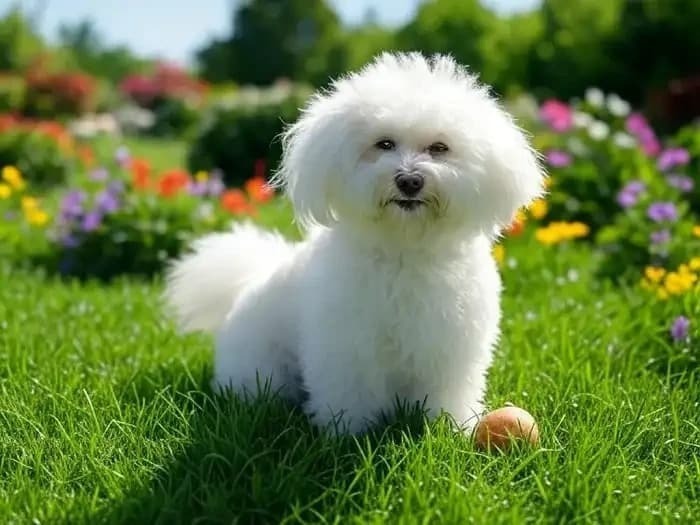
{"x": 174, "y": 29}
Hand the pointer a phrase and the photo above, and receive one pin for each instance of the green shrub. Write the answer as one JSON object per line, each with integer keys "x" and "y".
{"x": 234, "y": 135}
{"x": 38, "y": 155}
{"x": 12, "y": 93}
{"x": 174, "y": 117}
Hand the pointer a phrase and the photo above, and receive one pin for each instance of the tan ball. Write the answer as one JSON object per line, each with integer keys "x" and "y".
{"x": 500, "y": 428}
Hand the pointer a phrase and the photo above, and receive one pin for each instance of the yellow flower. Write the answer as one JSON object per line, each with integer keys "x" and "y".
{"x": 499, "y": 253}
{"x": 696, "y": 230}
{"x": 539, "y": 208}
{"x": 37, "y": 217}
{"x": 694, "y": 263}
{"x": 579, "y": 229}
{"x": 29, "y": 204}
{"x": 556, "y": 232}
{"x": 5, "y": 191}
{"x": 201, "y": 176}
{"x": 654, "y": 273}
{"x": 13, "y": 177}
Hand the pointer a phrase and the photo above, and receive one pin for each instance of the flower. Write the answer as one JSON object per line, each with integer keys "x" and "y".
{"x": 99, "y": 175}
{"x": 662, "y": 211}
{"x": 538, "y": 209}
{"x": 680, "y": 182}
{"x": 582, "y": 119}
{"x": 5, "y": 191}
{"x": 37, "y": 217}
{"x": 680, "y": 328}
{"x": 197, "y": 188}
{"x": 660, "y": 237}
{"x": 623, "y": 140}
{"x": 13, "y": 177}
{"x": 638, "y": 126}
{"x": 91, "y": 221}
{"x": 122, "y": 156}
{"x": 595, "y": 97}
{"x": 258, "y": 189}
{"x": 696, "y": 230}
{"x": 171, "y": 182}
{"x": 557, "y": 232}
{"x": 216, "y": 185}
{"x": 629, "y": 194}
{"x": 598, "y": 130}
{"x": 557, "y": 115}
{"x": 654, "y": 273}
{"x": 201, "y": 176}
{"x": 672, "y": 157}
{"x": 558, "y": 159}
{"x": 617, "y": 106}
{"x": 72, "y": 204}
{"x": 140, "y": 173}
{"x": 235, "y": 202}
{"x": 499, "y": 253}
{"x": 107, "y": 201}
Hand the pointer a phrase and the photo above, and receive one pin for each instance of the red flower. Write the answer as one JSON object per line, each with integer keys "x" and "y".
{"x": 235, "y": 202}
{"x": 140, "y": 173}
{"x": 258, "y": 189}
{"x": 86, "y": 155}
{"x": 171, "y": 182}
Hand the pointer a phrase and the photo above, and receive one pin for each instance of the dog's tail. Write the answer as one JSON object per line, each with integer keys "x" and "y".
{"x": 202, "y": 285}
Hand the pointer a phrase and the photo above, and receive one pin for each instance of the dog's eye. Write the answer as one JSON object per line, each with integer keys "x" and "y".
{"x": 385, "y": 144}
{"x": 438, "y": 147}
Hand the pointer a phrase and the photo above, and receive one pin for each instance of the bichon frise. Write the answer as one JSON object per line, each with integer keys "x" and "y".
{"x": 402, "y": 175}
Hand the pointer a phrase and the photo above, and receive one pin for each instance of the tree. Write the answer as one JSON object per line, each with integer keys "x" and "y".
{"x": 297, "y": 39}
{"x": 19, "y": 42}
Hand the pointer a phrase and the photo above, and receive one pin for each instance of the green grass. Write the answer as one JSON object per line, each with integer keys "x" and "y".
{"x": 106, "y": 416}
{"x": 161, "y": 153}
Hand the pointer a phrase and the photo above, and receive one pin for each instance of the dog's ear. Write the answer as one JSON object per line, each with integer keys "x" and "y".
{"x": 312, "y": 148}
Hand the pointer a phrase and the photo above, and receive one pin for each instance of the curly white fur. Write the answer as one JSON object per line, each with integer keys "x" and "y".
{"x": 383, "y": 300}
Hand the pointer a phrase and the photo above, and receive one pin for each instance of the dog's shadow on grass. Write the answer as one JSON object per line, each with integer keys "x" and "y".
{"x": 231, "y": 460}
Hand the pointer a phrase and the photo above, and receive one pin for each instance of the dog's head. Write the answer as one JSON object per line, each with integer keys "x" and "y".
{"x": 409, "y": 145}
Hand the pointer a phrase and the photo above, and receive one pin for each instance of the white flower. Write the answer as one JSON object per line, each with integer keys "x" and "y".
{"x": 598, "y": 130}
{"x": 595, "y": 97}
{"x": 624, "y": 140}
{"x": 576, "y": 146}
{"x": 617, "y": 106}
{"x": 582, "y": 119}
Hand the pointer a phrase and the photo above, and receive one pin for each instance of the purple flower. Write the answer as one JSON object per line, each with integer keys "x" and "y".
{"x": 672, "y": 157}
{"x": 10, "y": 215}
{"x": 662, "y": 211}
{"x": 70, "y": 241}
{"x": 635, "y": 186}
{"x": 216, "y": 185}
{"x": 629, "y": 194}
{"x": 72, "y": 204}
{"x": 681, "y": 182}
{"x": 660, "y": 237}
{"x": 122, "y": 156}
{"x": 91, "y": 221}
{"x": 116, "y": 187}
{"x": 198, "y": 188}
{"x": 679, "y": 328}
{"x": 99, "y": 174}
{"x": 558, "y": 159}
{"x": 107, "y": 202}
{"x": 636, "y": 123}
{"x": 626, "y": 199}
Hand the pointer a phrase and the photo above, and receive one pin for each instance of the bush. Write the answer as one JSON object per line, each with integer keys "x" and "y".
{"x": 238, "y": 136}
{"x": 42, "y": 151}
{"x": 12, "y": 93}
{"x": 117, "y": 224}
{"x": 55, "y": 94}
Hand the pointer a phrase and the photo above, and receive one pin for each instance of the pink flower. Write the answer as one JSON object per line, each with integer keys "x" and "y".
{"x": 557, "y": 115}
{"x": 638, "y": 126}
{"x": 558, "y": 159}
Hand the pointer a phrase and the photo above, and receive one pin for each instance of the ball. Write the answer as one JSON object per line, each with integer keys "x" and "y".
{"x": 500, "y": 428}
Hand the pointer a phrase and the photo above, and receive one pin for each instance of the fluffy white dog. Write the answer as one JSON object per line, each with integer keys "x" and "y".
{"x": 402, "y": 175}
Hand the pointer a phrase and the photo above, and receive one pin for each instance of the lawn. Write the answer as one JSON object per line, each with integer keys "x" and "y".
{"x": 106, "y": 417}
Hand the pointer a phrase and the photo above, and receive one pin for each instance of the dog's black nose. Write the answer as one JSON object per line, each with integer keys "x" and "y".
{"x": 409, "y": 183}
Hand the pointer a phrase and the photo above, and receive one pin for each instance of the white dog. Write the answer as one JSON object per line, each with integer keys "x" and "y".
{"x": 402, "y": 175}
